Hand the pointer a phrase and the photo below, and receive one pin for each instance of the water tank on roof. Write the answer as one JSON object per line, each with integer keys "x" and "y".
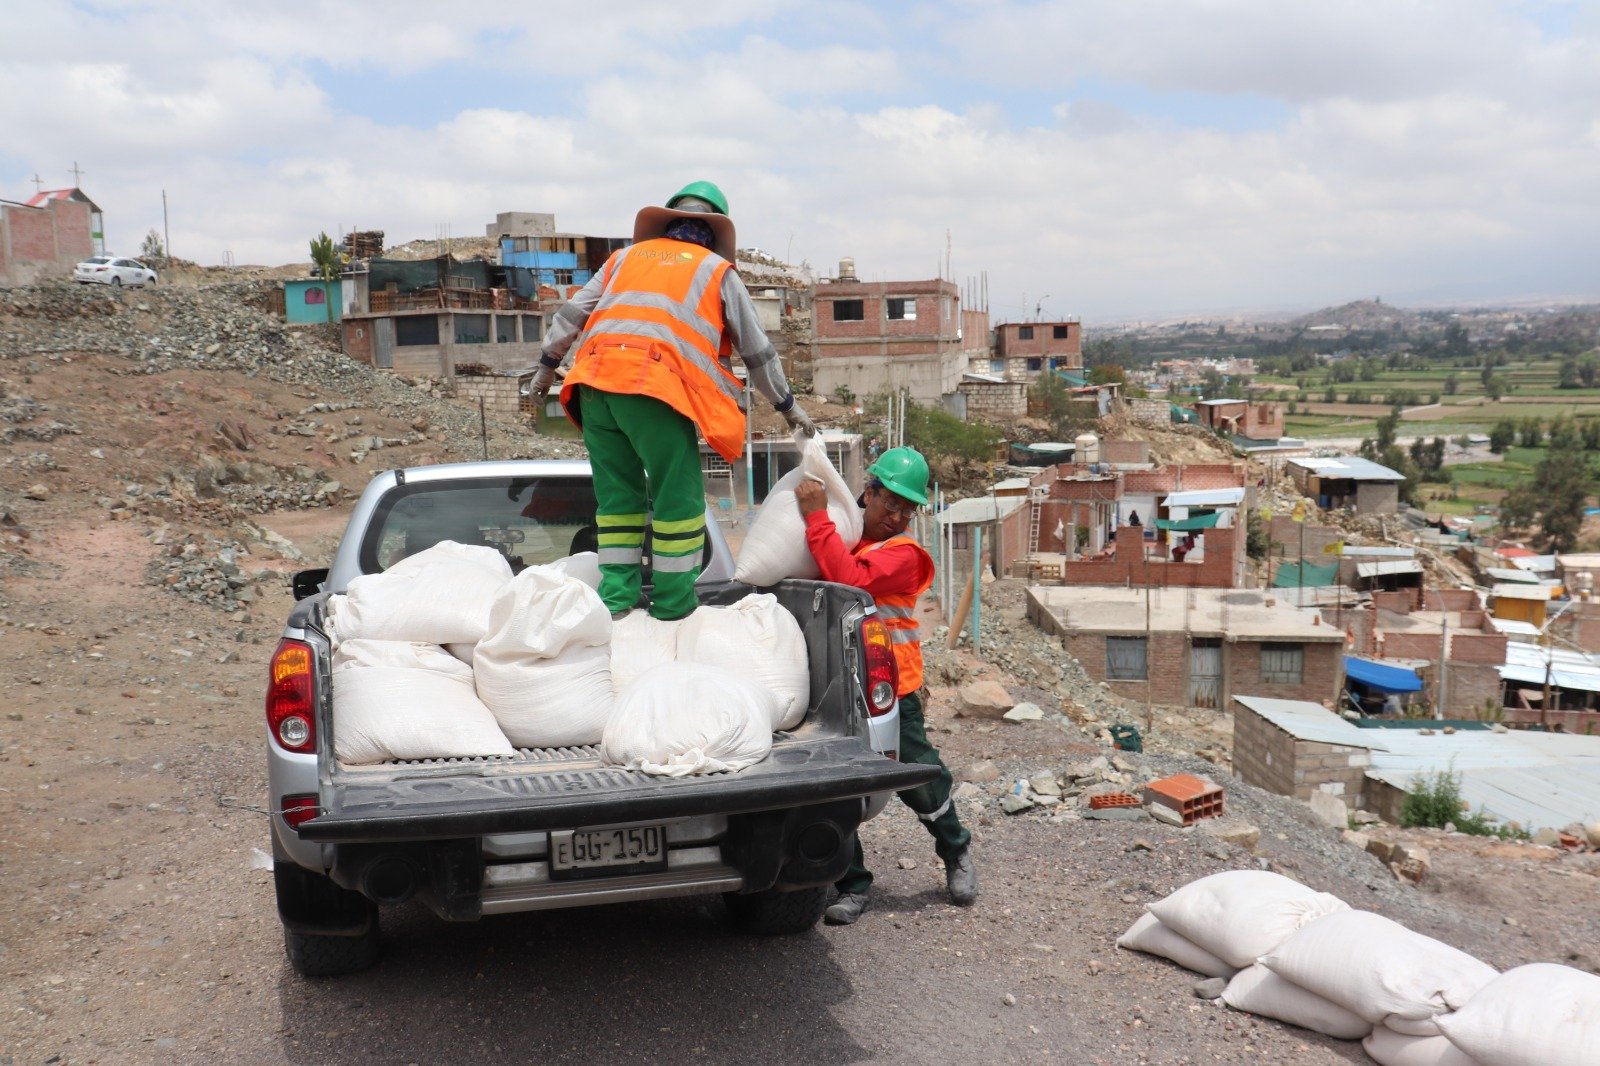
{"x": 1086, "y": 448}
{"x": 847, "y": 269}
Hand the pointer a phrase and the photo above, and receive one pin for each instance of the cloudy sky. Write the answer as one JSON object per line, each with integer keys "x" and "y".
{"x": 1104, "y": 158}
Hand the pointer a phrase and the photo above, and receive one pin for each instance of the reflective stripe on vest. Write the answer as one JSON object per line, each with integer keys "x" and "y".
{"x": 658, "y": 330}
{"x": 899, "y": 614}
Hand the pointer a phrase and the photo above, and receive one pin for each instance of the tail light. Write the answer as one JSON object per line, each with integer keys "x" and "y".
{"x": 291, "y": 707}
{"x": 299, "y": 808}
{"x": 883, "y": 674}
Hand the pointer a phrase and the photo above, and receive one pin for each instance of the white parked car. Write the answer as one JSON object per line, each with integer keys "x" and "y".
{"x": 109, "y": 270}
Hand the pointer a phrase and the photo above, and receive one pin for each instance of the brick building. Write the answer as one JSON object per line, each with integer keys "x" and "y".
{"x": 1024, "y": 350}
{"x": 1191, "y": 646}
{"x": 1347, "y": 481}
{"x": 1242, "y": 418}
{"x": 872, "y": 337}
{"x": 987, "y": 399}
{"x": 48, "y": 235}
{"x": 1295, "y": 748}
{"x": 1425, "y": 627}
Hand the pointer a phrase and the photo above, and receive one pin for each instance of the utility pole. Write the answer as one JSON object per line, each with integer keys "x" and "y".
{"x": 1444, "y": 665}
{"x": 77, "y": 175}
{"x": 166, "y": 233}
{"x": 38, "y": 182}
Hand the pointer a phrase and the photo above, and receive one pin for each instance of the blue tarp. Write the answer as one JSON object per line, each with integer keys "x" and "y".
{"x": 1381, "y": 677}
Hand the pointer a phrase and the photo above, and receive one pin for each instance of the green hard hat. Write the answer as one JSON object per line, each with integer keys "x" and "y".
{"x": 903, "y": 472}
{"x": 705, "y": 191}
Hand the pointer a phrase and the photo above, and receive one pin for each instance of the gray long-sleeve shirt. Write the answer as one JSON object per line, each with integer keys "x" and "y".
{"x": 749, "y": 340}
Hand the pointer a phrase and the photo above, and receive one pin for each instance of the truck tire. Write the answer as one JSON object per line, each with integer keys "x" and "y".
{"x": 316, "y": 900}
{"x": 774, "y": 913}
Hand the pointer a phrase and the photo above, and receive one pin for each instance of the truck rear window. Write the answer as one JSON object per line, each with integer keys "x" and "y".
{"x": 531, "y": 521}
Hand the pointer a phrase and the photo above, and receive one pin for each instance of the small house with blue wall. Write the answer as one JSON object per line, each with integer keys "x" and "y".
{"x": 305, "y": 300}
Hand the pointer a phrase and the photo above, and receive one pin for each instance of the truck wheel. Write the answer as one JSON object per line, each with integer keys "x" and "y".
{"x": 312, "y": 900}
{"x": 330, "y": 956}
{"x": 774, "y": 913}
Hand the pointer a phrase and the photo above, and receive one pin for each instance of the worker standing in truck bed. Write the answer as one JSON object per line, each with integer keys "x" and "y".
{"x": 895, "y": 571}
{"x": 650, "y": 330}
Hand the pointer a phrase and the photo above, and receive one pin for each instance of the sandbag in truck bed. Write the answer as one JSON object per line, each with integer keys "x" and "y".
{"x": 438, "y": 596}
{"x": 395, "y": 700}
{"x": 775, "y": 548}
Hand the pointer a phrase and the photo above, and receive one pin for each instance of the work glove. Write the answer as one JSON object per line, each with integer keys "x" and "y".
{"x": 798, "y": 419}
{"x": 542, "y": 380}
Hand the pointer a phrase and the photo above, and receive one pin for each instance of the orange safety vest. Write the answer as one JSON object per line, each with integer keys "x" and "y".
{"x": 659, "y": 330}
{"x": 899, "y": 613}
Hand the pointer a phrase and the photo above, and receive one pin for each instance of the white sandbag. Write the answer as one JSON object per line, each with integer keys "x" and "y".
{"x": 758, "y": 639}
{"x": 543, "y": 667}
{"x": 1258, "y": 990}
{"x": 639, "y": 643}
{"x": 1240, "y": 915}
{"x": 438, "y": 596}
{"x": 775, "y": 548}
{"x": 1389, "y": 1048}
{"x": 398, "y": 700}
{"x": 1151, "y": 937}
{"x": 1381, "y": 970}
{"x": 585, "y": 566}
{"x": 1536, "y": 1015}
{"x": 558, "y": 702}
{"x": 688, "y": 718}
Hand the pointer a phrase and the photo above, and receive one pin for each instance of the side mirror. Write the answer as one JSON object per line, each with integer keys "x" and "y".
{"x": 308, "y": 582}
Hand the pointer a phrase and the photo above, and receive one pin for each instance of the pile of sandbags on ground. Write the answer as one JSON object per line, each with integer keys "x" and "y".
{"x": 1307, "y": 958}
{"x": 447, "y": 655}
{"x": 775, "y": 548}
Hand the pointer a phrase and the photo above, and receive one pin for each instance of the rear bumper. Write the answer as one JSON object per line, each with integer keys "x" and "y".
{"x": 428, "y": 805}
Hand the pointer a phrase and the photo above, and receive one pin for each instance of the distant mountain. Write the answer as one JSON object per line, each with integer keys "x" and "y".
{"x": 1362, "y": 315}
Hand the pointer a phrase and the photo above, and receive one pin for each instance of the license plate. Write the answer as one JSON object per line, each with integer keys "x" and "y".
{"x": 598, "y": 852}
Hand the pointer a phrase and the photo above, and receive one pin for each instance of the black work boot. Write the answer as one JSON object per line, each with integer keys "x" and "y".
{"x": 962, "y": 878}
{"x": 846, "y": 909}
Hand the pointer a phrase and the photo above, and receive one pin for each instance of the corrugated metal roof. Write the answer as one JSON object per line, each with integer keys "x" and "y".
{"x": 1310, "y": 721}
{"x": 1373, "y": 551}
{"x": 1537, "y": 780}
{"x": 1348, "y": 466}
{"x": 1513, "y": 628}
{"x": 1388, "y": 566}
{"x": 1528, "y": 663}
{"x": 1526, "y": 592}
{"x": 1205, "y": 498}
{"x": 1581, "y": 561}
{"x": 979, "y": 509}
{"x": 1516, "y": 577}
{"x": 1535, "y": 563}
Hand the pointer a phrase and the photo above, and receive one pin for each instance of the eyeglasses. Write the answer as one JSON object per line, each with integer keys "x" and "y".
{"x": 896, "y": 506}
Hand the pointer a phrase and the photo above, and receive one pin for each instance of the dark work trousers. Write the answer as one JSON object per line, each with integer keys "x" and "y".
{"x": 932, "y": 802}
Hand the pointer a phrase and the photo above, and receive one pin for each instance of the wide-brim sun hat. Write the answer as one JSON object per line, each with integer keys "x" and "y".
{"x": 652, "y": 222}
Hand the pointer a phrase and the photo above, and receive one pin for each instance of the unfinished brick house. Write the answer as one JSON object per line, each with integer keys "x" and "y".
{"x": 1191, "y": 646}
{"x": 1242, "y": 418}
{"x": 872, "y": 337}
{"x": 1024, "y": 350}
{"x": 49, "y": 235}
{"x": 1421, "y": 628}
{"x": 1121, "y": 527}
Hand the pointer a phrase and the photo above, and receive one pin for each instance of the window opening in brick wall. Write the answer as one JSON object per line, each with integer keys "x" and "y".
{"x": 530, "y": 328}
{"x": 1283, "y": 664}
{"x": 849, "y": 310}
{"x": 416, "y": 329}
{"x": 505, "y": 329}
{"x": 1035, "y": 364}
{"x": 472, "y": 329}
{"x": 901, "y": 310}
{"x": 1126, "y": 659}
{"x": 997, "y": 366}
{"x": 1058, "y": 332}
{"x": 1024, "y": 333}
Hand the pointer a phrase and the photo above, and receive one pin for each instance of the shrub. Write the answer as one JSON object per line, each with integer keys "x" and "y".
{"x": 1434, "y": 800}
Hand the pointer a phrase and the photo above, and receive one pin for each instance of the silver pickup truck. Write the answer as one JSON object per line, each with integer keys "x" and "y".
{"x": 557, "y": 827}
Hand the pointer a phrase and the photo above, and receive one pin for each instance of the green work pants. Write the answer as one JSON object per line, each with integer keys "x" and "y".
{"x": 932, "y": 802}
{"x": 646, "y": 461}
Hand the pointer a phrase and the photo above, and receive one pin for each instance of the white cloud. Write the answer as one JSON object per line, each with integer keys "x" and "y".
{"x": 1403, "y": 146}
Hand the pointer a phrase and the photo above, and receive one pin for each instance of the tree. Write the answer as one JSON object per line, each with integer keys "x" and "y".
{"x": 1456, "y": 343}
{"x": 1589, "y": 371}
{"x": 1569, "y": 378}
{"x": 1531, "y": 432}
{"x": 1502, "y": 436}
{"x": 1452, "y": 385}
{"x": 1553, "y": 500}
{"x": 1591, "y": 434}
{"x": 326, "y": 258}
{"x": 1494, "y": 388}
{"x": 1054, "y": 400}
{"x": 1564, "y": 433}
{"x": 1108, "y": 374}
{"x": 152, "y": 247}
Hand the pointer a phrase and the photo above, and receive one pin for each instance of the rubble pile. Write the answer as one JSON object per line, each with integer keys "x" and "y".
{"x": 205, "y": 570}
{"x": 223, "y": 327}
